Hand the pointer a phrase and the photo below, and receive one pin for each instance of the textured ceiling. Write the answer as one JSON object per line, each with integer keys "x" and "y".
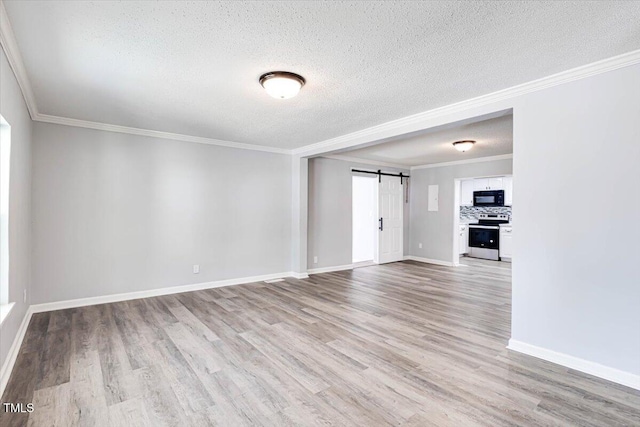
{"x": 193, "y": 67}
{"x": 493, "y": 137}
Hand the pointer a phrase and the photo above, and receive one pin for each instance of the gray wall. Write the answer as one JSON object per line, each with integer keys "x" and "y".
{"x": 575, "y": 278}
{"x": 299, "y": 215}
{"x": 330, "y": 227}
{"x": 116, "y": 213}
{"x": 435, "y": 229}
{"x": 14, "y": 110}
{"x": 119, "y": 213}
{"x": 576, "y": 282}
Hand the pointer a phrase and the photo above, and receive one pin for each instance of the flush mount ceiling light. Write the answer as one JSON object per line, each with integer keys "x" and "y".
{"x": 463, "y": 145}
{"x": 282, "y": 84}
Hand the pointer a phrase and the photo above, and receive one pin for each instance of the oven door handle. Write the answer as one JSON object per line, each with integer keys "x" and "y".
{"x": 485, "y": 227}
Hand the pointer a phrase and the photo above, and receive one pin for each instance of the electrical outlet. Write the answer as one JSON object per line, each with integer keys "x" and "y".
{"x": 420, "y": 245}
{"x": 196, "y": 268}
{"x": 315, "y": 259}
{"x": 24, "y": 297}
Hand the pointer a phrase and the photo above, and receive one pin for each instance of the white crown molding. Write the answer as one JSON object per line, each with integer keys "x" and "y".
{"x": 413, "y": 123}
{"x": 611, "y": 374}
{"x": 12, "y": 355}
{"x": 365, "y": 161}
{"x": 464, "y": 162}
{"x": 10, "y": 47}
{"x": 155, "y": 134}
{"x": 8, "y": 42}
{"x": 371, "y": 134}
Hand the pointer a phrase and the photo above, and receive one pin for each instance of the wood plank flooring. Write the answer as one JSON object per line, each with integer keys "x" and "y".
{"x": 403, "y": 344}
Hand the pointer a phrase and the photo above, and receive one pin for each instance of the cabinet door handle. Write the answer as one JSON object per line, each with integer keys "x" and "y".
{"x": 381, "y": 227}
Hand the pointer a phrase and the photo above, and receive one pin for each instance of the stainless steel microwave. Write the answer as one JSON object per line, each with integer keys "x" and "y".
{"x": 488, "y": 198}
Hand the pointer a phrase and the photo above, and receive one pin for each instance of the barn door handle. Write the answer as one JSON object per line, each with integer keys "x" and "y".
{"x": 381, "y": 228}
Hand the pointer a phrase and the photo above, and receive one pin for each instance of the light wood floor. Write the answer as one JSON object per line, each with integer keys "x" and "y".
{"x": 404, "y": 344}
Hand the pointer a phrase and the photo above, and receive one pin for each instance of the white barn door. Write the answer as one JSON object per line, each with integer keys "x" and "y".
{"x": 390, "y": 227}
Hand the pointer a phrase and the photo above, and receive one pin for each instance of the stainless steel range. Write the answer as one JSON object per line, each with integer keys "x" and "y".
{"x": 484, "y": 237}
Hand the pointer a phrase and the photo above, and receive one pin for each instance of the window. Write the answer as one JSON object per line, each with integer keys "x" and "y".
{"x": 5, "y": 153}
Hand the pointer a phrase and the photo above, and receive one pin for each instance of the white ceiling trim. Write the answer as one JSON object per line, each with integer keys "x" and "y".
{"x": 155, "y": 134}
{"x": 8, "y": 42}
{"x": 401, "y": 126}
{"x": 366, "y": 161}
{"x": 464, "y": 162}
{"x": 10, "y": 47}
{"x": 374, "y": 133}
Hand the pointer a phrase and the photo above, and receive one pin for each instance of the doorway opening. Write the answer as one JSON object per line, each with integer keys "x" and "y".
{"x": 377, "y": 218}
{"x": 365, "y": 214}
{"x": 482, "y": 218}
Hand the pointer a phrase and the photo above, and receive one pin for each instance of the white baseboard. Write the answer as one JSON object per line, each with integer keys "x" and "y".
{"x": 429, "y": 261}
{"x": 330, "y": 269}
{"x": 7, "y": 367}
{"x": 81, "y": 302}
{"x": 363, "y": 264}
{"x": 611, "y": 374}
{"x": 298, "y": 275}
{"x": 5, "y": 309}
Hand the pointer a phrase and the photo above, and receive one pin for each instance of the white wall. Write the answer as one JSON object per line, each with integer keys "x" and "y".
{"x": 330, "y": 232}
{"x": 14, "y": 110}
{"x": 299, "y": 215}
{"x": 116, "y": 213}
{"x": 576, "y": 284}
{"x": 365, "y": 198}
{"x": 435, "y": 229}
{"x": 5, "y": 171}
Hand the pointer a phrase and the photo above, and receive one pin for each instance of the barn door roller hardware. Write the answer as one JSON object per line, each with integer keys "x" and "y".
{"x": 380, "y": 173}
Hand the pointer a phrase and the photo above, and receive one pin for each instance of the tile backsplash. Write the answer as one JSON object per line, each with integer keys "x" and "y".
{"x": 469, "y": 213}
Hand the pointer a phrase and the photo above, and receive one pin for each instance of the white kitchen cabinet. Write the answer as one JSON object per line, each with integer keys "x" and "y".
{"x": 495, "y": 183}
{"x": 506, "y": 243}
{"x": 463, "y": 242}
{"x": 481, "y": 184}
{"x": 485, "y": 184}
{"x": 507, "y": 182}
{"x": 466, "y": 192}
